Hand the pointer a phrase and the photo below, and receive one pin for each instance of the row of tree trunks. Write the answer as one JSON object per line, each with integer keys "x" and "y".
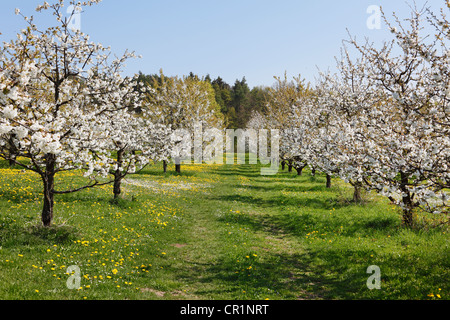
{"x": 408, "y": 215}
{"x": 177, "y": 167}
{"x": 291, "y": 166}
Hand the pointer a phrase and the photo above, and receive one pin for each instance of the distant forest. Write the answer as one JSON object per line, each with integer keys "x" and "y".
{"x": 237, "y": 101}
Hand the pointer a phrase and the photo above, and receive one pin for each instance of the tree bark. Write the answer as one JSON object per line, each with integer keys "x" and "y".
{"x": 165, "y": 166}
{"x": 283, "y": 165}
{"x": 118, "y": 175}
{"x": 357, "y": 193}
{"x": 408, "y": 211}
{"x": 12, "y": 151}
{"x": 117, "y": 184}
{"x": 48, "y": 178}
{"x": 12, "y": 162}
{"x": 299, "y": 171}
{"x": 328, "y": 181}
{"x": 408, "y": 217}
{"x": 313, "y": 172}
{"x": 290, "y": 166}
{"x": 178, "y": 168}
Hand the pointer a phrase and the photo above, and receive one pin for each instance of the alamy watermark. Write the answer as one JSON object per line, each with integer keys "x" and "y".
{"x": 374, "y": 281}
{"x": 374, "y": 20}
{"x": 74, "y": 18}
{"x": 214, "y": 146}
{"x": 74, "y": 280}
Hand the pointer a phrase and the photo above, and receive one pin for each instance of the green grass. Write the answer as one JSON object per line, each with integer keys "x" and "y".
{"x": 214, "y": 232}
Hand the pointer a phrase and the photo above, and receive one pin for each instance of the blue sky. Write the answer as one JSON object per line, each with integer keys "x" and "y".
{"x": 257, "y": 39}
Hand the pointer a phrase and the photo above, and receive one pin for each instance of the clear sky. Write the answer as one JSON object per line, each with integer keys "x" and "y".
{"x": 257, "y": 39}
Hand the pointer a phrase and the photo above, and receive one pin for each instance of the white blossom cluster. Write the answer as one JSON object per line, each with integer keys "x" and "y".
{"x": 64, "y": 105}
{"x": 188, "y": 108}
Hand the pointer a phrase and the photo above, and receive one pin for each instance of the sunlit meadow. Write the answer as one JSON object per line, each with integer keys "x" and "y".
{"x": 214, "y": 232}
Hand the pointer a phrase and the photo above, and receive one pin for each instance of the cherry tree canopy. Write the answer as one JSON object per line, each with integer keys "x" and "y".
{"x": 59, "y": 96}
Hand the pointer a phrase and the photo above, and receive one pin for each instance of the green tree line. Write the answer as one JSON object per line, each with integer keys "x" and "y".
{"x": 236, "y": 101}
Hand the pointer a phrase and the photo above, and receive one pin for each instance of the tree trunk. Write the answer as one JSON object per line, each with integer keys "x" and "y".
{"x": 12, "y": 151}
{"x": 48, "y": 178}
{"x": 313, "y": 172}
{"x": 408, "y": 211}
{"x": 299, "y": 171}
{"x": 357, "y": 193}
{"x": 165, "y": 166}
{"x": 283, "y": 165}
{"x": 117, "y": 184}
{"x": 290, "y": 166}
{"x": 178, "y": 168}
{"x": 408, "y": 217}
{"x": 118, "y": 175}
{"x": 328, "y": 181}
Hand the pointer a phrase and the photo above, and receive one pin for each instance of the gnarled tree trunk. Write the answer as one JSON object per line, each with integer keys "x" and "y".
{"x": 118, "y": 175}
{"x": 408, "y": 206}
{"x": 117, "y": 184}
{"x": 357, "y": 193}
{"x": 48, "y": 179}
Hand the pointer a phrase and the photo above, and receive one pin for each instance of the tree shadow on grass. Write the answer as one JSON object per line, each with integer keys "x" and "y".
{"x": 162, "y": 174}
{"x": 237, "y": 172}
{"x": 280, "y": 201}
{"x": 36, "y": 235}
{"x": 20, "y": 196}
{"x": 291, "y": 188}
{"x": 291, "y": 276}
{"x": 303, "y": 214}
